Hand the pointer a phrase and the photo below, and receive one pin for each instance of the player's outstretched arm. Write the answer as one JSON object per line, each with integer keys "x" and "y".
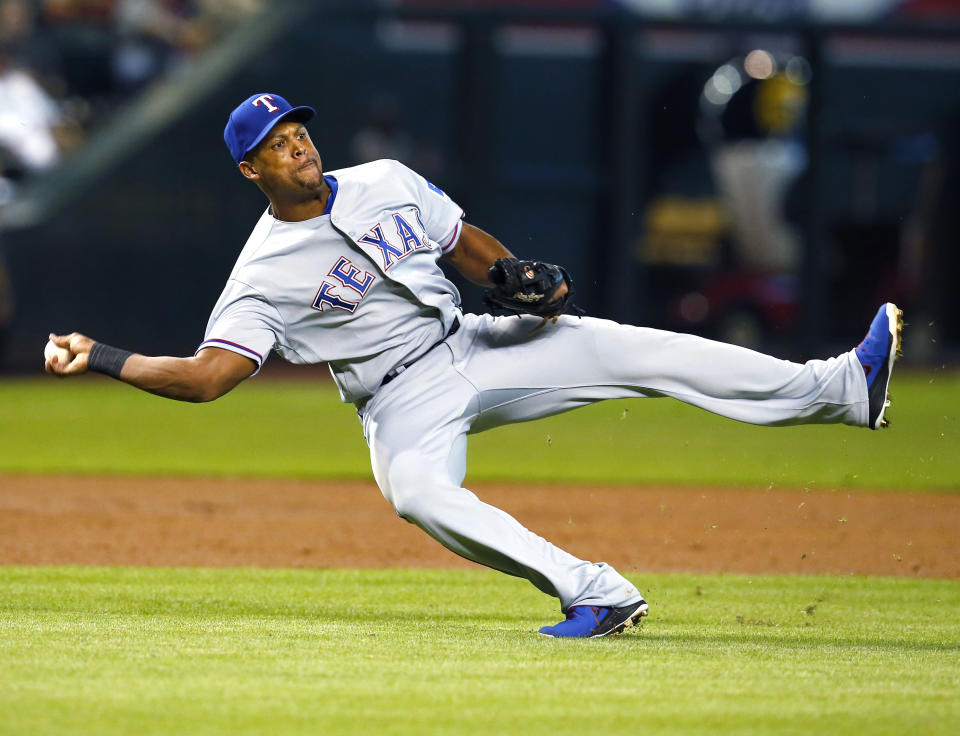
{"x": 205, "y": 377}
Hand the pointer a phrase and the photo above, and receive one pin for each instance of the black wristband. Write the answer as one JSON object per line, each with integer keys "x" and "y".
{"x": 107, "y": 359}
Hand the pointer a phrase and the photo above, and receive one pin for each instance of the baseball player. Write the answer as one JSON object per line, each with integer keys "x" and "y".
{"x": 343, "y": 268}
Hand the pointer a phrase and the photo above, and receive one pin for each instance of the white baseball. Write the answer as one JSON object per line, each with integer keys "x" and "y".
{"x": 63, "y": 355}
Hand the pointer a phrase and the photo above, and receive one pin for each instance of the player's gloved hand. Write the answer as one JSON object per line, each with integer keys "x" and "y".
{"x": 529, "y": 287}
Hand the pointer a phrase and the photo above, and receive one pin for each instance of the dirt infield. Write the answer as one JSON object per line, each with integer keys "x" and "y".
{"x": 269, "y": 523}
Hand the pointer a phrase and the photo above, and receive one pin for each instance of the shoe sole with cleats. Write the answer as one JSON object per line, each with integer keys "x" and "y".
{"x": 895, "y": 325}
{"x": 629, "y": 618}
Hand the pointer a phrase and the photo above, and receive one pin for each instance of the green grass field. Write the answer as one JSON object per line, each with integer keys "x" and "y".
{"x": 159, "y": 651}
{"x": 269, "y": 428}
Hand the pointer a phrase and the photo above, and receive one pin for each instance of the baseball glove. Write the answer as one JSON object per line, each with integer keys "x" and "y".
{"x": 526, "y": 287}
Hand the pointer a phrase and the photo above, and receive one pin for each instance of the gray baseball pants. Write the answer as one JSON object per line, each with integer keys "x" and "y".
{"x": 500, "y": 370}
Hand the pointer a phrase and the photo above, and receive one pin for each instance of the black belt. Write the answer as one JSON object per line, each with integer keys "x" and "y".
{"x": 403, "y": 366}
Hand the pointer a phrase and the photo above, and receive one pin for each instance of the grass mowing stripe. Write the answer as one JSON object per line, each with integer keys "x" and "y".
{"x": 270, "y": 428}
{"x": 150, "y": 651}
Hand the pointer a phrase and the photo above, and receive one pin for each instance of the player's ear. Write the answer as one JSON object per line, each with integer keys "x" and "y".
{"x": 248, "y": 170}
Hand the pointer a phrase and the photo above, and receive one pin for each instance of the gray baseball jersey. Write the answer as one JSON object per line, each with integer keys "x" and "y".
{"x": 359, "y": 287}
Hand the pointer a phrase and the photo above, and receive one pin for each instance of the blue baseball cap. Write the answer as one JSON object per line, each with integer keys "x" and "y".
{"x": 253, "y": 118}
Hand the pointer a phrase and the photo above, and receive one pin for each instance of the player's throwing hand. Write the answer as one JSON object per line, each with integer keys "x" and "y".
{"x": 78, "y": 352}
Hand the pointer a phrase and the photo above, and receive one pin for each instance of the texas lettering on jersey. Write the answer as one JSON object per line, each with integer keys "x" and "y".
{"x": 391, "y": 249}
{"x": 345, "y": 274}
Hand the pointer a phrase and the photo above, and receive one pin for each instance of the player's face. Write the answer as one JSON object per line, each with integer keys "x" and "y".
{"x": 286, "y": 160}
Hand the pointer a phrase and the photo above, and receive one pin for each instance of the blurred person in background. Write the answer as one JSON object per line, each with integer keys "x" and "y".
{"x": 752, "y": 115}
{"x": 34, "y": 128}
{"x": 28, "y": 121}
{"x": 154, "y": 36}
{"x": 727, "y": 157}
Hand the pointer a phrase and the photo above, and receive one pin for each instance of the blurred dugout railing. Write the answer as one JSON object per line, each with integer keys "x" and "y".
{"x": 547, "y": 126}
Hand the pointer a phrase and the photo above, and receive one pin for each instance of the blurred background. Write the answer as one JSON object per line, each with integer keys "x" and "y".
{"x": 764, "y": 172}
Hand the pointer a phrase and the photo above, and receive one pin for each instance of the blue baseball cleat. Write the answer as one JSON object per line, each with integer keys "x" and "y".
{"x": 594, "y": 621}
{"x": 879, "y": 349}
